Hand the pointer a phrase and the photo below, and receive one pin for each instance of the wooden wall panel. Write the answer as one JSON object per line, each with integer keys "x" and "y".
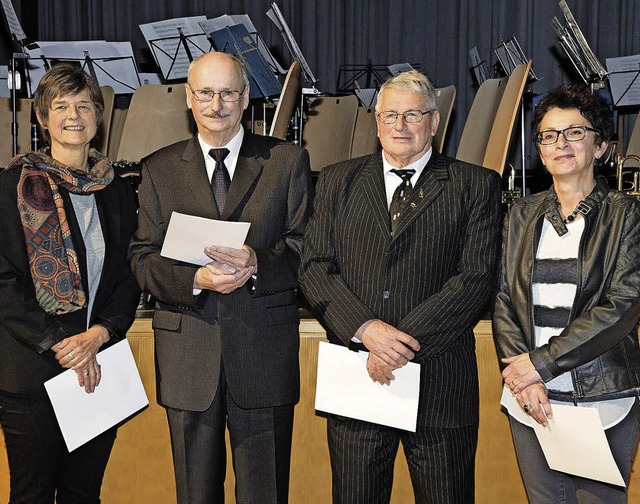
{"x": 140, "y": 469}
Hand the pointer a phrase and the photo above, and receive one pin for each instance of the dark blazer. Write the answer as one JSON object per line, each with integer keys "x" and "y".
{"x": 26, "y": 330}
{"x": 431, "y": 280}
{"x": 255, "y": 333}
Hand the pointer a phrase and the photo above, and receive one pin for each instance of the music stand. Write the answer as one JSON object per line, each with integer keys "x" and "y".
{"x": 211, "y": 25}
{"x": 174, "y": 66}
{"x": 577, "y": 49}
{"x": 374, "y": 76}
{"x": 14, "y": 81}
{"x": 236, "y": 40}
{"x": 109, "y": 63}
{"x": 276, "y": 16}
{"x": 480, "y": 67}
{"x": 510, "y": 55}
{"x": 175, "y": 43}
{"x": 624, "y": 80}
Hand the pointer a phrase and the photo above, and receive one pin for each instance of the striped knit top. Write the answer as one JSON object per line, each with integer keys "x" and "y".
{"x": 555, "y": 279}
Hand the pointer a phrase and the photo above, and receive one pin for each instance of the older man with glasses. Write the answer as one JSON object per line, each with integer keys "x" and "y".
{"x": 400, "y": 259}
{"x": 226, "y": 333}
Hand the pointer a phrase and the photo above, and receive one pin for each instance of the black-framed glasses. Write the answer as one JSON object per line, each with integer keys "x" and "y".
{"x": 570, "y": 134}
{"x": 410, "y": 116}
{"x": 206, "y": 95}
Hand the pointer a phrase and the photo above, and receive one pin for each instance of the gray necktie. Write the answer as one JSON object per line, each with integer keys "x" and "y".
{"x": 400, "y": 196}
{"x": 220, "y": 181}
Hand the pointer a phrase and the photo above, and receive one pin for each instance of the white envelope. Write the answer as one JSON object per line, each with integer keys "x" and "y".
{"x": 187, "y": 236}
{"x": 119, "y": 395}
{"x": 345, "y": 388}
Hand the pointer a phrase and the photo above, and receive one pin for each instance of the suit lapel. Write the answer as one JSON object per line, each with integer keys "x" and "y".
{"x": 195, "y": 177}
{"x": 375, "y": 192}
{"x": 426, "y": 191}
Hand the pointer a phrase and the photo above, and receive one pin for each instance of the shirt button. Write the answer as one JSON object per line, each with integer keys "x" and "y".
{"x": 386, "y": 294}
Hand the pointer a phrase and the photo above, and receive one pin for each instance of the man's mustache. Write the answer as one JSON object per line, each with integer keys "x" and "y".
{"x": 213, "y": 114}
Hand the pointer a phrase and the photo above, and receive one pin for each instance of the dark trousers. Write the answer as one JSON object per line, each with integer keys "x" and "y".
{"x": 39, "y": 464}
{"x": 260, "y": 446}
{"x": 441, "y": 462}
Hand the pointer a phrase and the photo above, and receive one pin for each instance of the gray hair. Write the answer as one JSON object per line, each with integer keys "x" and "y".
{"x": 413, "y": 81}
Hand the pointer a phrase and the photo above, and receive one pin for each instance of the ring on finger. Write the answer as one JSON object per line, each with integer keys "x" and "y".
{"x": 513, "y": 383}
{"x": 70, "y": 355}
{"x": 527, "y": 407}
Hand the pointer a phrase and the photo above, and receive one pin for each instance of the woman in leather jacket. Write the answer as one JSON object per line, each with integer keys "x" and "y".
{"x": 568, "y": 302}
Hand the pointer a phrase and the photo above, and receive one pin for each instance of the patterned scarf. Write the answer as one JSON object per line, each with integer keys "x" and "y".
{"x": 52, "y": 259}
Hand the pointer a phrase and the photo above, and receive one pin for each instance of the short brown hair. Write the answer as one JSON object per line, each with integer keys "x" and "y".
{"x": 65, "y": 79}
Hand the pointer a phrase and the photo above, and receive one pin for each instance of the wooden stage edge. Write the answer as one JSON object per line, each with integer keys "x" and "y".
{"x": 140, "y": 469}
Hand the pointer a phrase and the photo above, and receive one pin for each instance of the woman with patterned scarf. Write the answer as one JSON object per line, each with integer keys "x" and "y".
{"x": 66, "y": 290}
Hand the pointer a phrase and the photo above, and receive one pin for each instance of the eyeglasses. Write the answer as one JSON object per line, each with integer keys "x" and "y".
{"x": 206, "y": 95}
{"x": 410, "y": 116}
{"x": 571, "y": 134}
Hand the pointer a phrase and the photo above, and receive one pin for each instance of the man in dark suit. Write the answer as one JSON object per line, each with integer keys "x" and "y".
{"x": 400, "y": 264}
{"x": 226, "y": 334}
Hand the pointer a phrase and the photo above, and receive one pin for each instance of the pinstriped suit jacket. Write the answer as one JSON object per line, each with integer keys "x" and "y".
{"x": 430, "y": 280}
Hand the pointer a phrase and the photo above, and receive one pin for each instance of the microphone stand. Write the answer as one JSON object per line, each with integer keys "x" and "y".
{"x": 15, "y": 85}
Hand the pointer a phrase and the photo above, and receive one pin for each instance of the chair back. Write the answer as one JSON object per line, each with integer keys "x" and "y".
{"x": 108, "y": 96}
{"x": 288, "y": 97}
{"x": 365, "y": 133}
{"x": 158, "y": 116}
{"x": 503, "y": 126}
{"x": 328, "y": 132}
{"x": 477, "y": 128}
{"x": 23, "y": 118}
{"x": 445, "y": 97}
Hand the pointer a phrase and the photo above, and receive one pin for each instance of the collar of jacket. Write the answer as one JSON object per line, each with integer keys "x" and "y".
{"x": 550, "y": 207}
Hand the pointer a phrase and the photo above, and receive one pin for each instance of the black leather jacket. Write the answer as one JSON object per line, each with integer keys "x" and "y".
{"x": 600, "y": 344}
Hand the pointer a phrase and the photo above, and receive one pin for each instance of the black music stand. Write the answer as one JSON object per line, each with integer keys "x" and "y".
{"x": 624, "y": 80}
{"x": 510, "y": 55}
{"x": 577, "y": 49}
{"x": 373, "y": 75}
{"x": 14, "y": 80}
{"x": 174, "y": 54}
{"x": 102, "y": 70}
{"x": 479, "y": 66}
